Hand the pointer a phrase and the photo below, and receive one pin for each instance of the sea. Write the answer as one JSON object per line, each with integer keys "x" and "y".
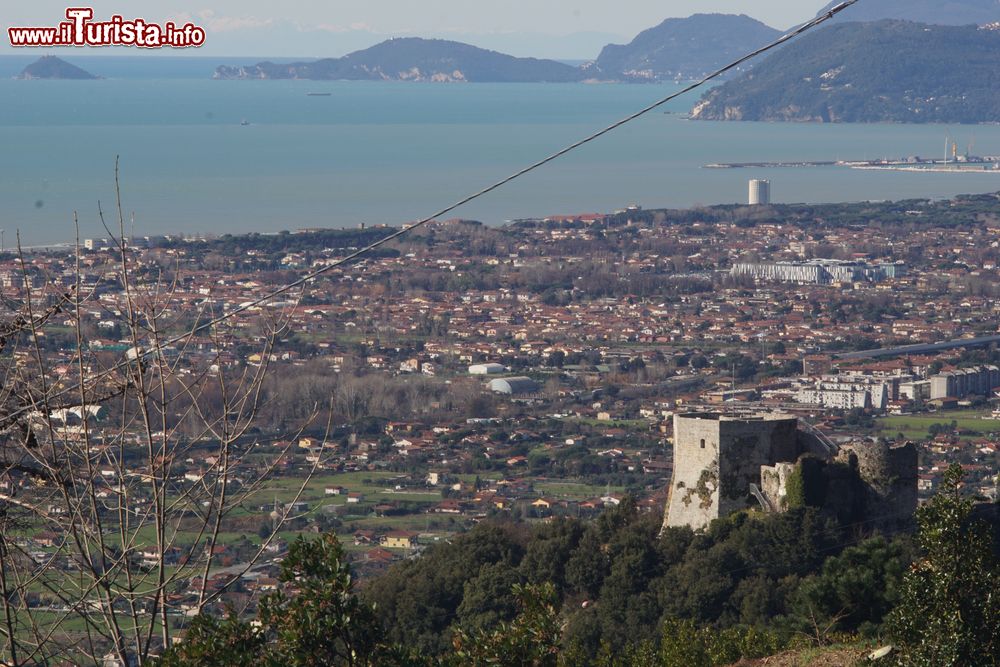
{"x": 199, "y": 156}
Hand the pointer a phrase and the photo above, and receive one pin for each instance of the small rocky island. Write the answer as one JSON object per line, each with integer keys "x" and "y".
{"x": 52, "y": 67}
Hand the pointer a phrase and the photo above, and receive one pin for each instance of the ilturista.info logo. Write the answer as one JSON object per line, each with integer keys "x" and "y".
{"x": 80, "y": 29}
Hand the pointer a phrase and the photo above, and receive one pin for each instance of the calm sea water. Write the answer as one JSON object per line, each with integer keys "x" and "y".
{"x": 394, "y": 152}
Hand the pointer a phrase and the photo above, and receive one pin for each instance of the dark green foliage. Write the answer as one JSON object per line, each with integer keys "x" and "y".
{"x": 949, "y": 605}
{"x": 795, "y": 489}
{"x": 853, "y": 591}
{"x": 806, "y": 485}
{"x": 217, "y": 643}
{"x": 488, "y": 598}
{"x": 550, "y": 548}
{"x": 586, "y": 566}
{"x": 619, "y": 578}
{"x": 530, "y": 640}
{"x": 322, "y": 623}
{"x": 683, "y": 644}
{"x": 845, "y": 73}
{"x": 276, "y": 244}
{"x": 418, "y": 600}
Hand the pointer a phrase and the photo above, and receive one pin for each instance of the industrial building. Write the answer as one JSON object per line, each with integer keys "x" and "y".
{"x": 515, "y": 386}
{"x": 486, "y": 369}
{"x": 817, "y": 271}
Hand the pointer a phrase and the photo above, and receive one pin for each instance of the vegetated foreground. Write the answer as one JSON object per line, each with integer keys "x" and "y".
{"x": 666, "y": 601}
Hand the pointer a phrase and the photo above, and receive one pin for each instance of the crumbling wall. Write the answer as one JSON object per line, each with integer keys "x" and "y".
{"x": 889, "y": 478}
{"x": 774, "y": 484}
{"x": 745, "y": 446}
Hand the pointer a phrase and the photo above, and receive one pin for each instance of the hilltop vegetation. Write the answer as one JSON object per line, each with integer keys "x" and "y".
{"x": 684, "y": 48}
{"x": 888, "y": 71}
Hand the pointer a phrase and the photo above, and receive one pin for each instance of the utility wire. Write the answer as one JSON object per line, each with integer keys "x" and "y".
{"x": 795, "y": 32}
{"x": 805, "y": 27}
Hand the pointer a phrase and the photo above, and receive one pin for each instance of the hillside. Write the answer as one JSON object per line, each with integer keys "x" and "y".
{"x": 414, "y": 59}
{"x": 51, "y": 67}
{"x": 941, "y": 12}
{"x": 684, "y": 48}
{"x": 842, "y": 73}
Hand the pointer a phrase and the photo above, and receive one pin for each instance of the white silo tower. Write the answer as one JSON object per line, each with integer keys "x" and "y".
{"x": 760, "y": 191}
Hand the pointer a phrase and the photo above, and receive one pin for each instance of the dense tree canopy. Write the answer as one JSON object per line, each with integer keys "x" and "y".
{"x": 618, "y": 591}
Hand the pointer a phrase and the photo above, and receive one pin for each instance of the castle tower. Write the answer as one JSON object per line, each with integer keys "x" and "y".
{"x": 717, "y": 459}
{"x": 890, "y": 477}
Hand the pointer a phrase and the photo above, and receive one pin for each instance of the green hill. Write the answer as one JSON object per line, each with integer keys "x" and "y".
{"x": 683, "y": 48}
{"x": 887, "y": 71}
{"x": 414, "y": 59}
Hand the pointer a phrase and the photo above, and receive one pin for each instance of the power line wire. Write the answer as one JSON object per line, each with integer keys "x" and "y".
{"x": 795, "y": 32}
{"x": 805, "y": 27}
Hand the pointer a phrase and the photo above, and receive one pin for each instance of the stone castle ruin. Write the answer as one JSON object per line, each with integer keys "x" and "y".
{"x": 724, "y": 464}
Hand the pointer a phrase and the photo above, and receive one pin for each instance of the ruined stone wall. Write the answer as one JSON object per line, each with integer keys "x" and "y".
{"x": 745, "y": 446}
{"x": 889, "y": 475}
{"x": 774, "y": 484}
{"x": 901, "y": 501}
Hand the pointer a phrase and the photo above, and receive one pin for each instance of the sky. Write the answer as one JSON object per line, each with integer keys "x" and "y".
{"x": 569, "y": 29}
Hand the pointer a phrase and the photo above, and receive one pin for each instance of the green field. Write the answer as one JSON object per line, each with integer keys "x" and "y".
{"x": 573, "y": 490}
{"x": 376, "y": 487}
{"x": 915, "y": 427}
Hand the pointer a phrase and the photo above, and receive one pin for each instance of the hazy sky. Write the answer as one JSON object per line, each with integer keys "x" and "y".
{"x": 548, "y": 28}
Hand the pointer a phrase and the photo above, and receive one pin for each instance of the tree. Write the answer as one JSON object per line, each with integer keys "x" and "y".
{"x": 488, "y": 597}
{"x": 211, "y": 642}
{"x": 127, "y": 458}
{"x": 949, "y": 607}
{"x": 320, "y": 622}
{"x": 530, "y": 640}
{"x": 853, "y": 591}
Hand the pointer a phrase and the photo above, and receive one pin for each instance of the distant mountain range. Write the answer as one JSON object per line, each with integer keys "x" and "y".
{"x": 940, "y": 12}
{"x": 674, "y": 50}
{"x": 894, "y": 71}
{"x": 945, "y": 69}
{"x": 415, "y": 59}
{"x": 677, "y": 49}
{"x": 51, "y": 67}
{"x": 684, "y": 48}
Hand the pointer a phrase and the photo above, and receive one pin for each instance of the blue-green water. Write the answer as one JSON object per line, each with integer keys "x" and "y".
{"x": 394, "y": 152}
